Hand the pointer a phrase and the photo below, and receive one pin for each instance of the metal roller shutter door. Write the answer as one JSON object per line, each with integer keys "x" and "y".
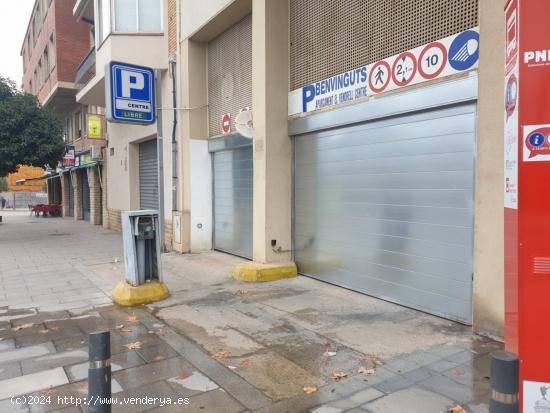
{"x": 233, "y": 177}
{"x": 71, "y": 197}
{"x": 148, "y": 175}
{"x": 386, "y": 208}
{"x": 85, "y": 196}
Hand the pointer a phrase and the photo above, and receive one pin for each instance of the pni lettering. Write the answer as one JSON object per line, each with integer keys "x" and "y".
{"x": 536, "y": 56}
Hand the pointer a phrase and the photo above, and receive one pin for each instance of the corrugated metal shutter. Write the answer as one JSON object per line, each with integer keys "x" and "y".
{"x": 233, "y": 180}
{"x": 148, "y": 175}
{"x": 229, "y": 74}
{"x": 71, "y": 196}
{"x": 85, "y": 196}
{"x": 386, "y": 208}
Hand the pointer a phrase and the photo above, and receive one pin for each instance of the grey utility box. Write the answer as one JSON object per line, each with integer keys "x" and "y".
{"x": 142, "y": 259}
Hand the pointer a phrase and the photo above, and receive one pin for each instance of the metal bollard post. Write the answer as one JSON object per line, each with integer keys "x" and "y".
{"x": 99, "y": 373}
{"x": 504, "y": 383}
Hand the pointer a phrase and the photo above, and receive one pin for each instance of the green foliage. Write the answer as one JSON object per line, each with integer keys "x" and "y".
{"x": 29, "y": 134}
{"x": 3, "y": 185}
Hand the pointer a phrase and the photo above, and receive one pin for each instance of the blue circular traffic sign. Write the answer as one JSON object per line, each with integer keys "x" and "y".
{"x": 464, "y": 51}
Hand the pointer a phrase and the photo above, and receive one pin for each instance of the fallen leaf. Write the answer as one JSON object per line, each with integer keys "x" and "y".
{"x": 45, "y": 331}
{"x": 458, "y": 409}
{"x": 160, "y": 333}
{"x": 366, "y": 370}
{"x": 309, "y": 390}
{"x": 329, "y": 348}
{"x": 48, "y": 392}
{"x": 458, "y": 372}
{"x": 23, "y": 326}
{"x": 83, "y": 385}
{"x": 371, "y": 358}
{"x": 220, "y": 355}
{"x": 133, "y": 346}
{"x": 338, "y": 375}
{"x": 158, "y": 358}
{"x": 132, "y": 318}
{"x": 247, "y": 362}
{"x": 183, "y": 376}
{"x": 242, "y": 292}
{"x": 119, "y": 327}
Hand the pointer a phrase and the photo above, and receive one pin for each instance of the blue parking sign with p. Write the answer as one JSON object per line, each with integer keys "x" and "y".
{"x": 131, "y": 93}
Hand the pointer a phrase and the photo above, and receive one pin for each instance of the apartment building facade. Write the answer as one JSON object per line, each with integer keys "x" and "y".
{"x": 54, "y": 46}
{"x": 374, "y": 161}
{"x": 305, "y": 140}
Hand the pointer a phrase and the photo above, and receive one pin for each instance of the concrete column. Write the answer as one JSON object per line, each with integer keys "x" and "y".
{"x": 104, "y": 208}
{"x": 65, "y": 182}
{"x": 488, "y": 295}
{"x": 272, "y": 145}
{"x": 77, "y": 188}
{"x": 95, "y": 196}
{"x": 193, "y": 124}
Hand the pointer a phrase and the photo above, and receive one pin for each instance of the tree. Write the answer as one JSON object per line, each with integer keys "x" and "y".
{"x": 3, "y": 185}
{"x": 29, "y": 134}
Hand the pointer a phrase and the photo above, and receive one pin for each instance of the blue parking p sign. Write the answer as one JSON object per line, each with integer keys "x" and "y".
{"x": 130, "y": 93}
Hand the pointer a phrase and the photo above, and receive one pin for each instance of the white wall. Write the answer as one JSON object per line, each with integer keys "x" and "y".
{"x": 201, "y": 196}
{"x": 196, "y": 14}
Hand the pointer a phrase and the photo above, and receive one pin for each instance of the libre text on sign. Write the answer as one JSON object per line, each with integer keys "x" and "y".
{"x": 130, "y": 93}
{"x": 454, "y": 54}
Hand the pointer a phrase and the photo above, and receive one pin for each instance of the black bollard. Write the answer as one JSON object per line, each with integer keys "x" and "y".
{"x": 99, "y": 373}
{"x": 504, "y": 383}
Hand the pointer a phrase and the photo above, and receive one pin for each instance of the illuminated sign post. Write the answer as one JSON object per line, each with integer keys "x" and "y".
{"x": 527, "y": 197}
{"x": 130, "y": 92}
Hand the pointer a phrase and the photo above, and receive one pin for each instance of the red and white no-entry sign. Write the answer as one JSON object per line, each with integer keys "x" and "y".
{"x": 226, "y": 123}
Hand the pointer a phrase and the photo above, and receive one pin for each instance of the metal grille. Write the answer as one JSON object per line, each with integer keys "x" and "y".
{"x": 229, "y": 74}
{"x": 328, "y": 37}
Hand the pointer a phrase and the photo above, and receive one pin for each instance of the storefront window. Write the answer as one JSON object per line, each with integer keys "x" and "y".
{"x": 138, "y": 16}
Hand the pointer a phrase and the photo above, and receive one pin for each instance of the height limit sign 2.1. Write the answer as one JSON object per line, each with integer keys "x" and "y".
{"x": 130, "y": 92}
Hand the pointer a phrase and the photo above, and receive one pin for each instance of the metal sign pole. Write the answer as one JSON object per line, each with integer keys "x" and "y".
{"x": 160, "y": 146}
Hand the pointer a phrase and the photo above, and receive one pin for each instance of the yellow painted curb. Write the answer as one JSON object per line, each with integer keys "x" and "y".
{"x": 253, "y": 272}
{"x": 127, "y": 295}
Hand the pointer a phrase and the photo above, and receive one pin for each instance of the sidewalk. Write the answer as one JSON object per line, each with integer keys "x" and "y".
{"x": 227, "y": 346}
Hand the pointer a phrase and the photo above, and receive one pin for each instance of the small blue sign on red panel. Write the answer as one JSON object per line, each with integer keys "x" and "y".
{"x": 130, "y": 93}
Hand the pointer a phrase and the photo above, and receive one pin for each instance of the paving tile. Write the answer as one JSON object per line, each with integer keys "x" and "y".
{"x": 422, "y": 358}
{"x": 49, "y": 335}
{"x": 401, "y": 365}
{"x": 9, "y": 371}
{"x": 65, "y": 358}
{"x": 7, "y": 345}
{"x": 414, "y": 400}
{"x": 32, "y": 382}
{"x": 11, "y": 356}
{"x": 150, "y": 373}
{"x": 213, "y": 401}
{"x": 191, "y": 384}
{"x": 7, "y": 406}
{"x": 448, "y": 388}
{"x": 149, "y": 353}
{"x": 441, "y": 366}
{"x": 159, "y": 390}
{"x": 119, "y": 362}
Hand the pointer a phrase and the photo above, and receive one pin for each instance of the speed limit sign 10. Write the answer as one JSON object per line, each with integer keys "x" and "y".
{"x": 432, "y": 60}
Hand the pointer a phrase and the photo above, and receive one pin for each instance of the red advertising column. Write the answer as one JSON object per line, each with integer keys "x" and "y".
{"x": 527, "y": 197}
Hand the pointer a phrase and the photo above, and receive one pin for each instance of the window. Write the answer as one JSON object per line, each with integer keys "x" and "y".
{"x": 52, "y": 51}
{"x": 40, "y": 74}
{"x": 46, "y": 60}
{"x": 31, "y": 90}
{"x": 104, "y": 22}
{"x": 138, "y": 16}
{"x": 77, "y": 125}
{"x": 68, "y": 130}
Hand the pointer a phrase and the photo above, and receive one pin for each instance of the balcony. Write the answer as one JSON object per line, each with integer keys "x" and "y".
{"x": 86, "y": 70}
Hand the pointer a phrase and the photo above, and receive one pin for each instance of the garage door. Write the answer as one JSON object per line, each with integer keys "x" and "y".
{"x": 386, "y": 208}
{"x": 233, "y": 175}
{"x": 71, "y": 195}
{"x": 85, "y": 196}
{"x": 148, "y": 175}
